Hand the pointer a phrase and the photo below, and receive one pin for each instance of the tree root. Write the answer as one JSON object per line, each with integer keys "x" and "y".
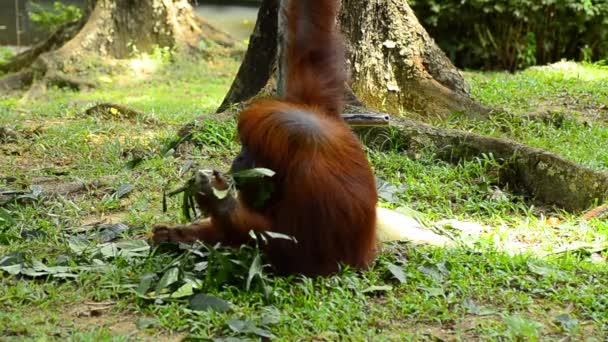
{"x": 545, "y": 176}
{"x": 24, "y": 59}
{"x": 64, "y": 81}
{"x": 114, "y": 110}
{"x": 17, "y": 80}
{"x": 25, "y": 78}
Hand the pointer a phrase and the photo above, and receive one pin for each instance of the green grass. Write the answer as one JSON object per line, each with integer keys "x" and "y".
{"x": 574, "y": 94}
{"x": 506, "y": 281}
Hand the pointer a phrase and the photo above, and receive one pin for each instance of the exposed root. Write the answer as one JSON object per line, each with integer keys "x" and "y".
{"x": 116, "y": 111}
{"x": 596, "y": 212}
{"x": 24, "y": 59}
{"x": 17, "y": 80}
{"x": 61, "y": 80}
{"x": 545, "y": 176}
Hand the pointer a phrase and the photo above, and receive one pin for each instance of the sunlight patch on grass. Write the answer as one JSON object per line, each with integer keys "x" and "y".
{"x": 577, "y": 71}
{"x": 143, "y": 66}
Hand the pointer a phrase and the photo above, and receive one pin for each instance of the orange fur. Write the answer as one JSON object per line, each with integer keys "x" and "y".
{"x": 325, "y": 194}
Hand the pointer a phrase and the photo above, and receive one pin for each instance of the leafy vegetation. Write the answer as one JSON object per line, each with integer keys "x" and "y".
{"x": 5, "y": 55}
{"x": 75, "y": 264}
{"x": 514, "y": 34}
{"x": 49, "y": 19}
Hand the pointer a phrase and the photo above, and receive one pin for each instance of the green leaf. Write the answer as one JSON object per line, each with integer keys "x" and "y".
{"x": 201, "y": 266}
{"x": 63, "y": 275}
{"x": 254, "y": 173}
{"x": 397, "y": 272}
{"x": 247, "y": 327}
{"x": 204, "y": 302}
{"x": 39, "y": 266}
{"x": 145, "y": 283}
{"x": 29, "y": 234}
{"x": 108, "y": 250}
{"x": 133, "y": 248}
{"x": 255, "y": 270}
{"x": 275, "y": 235}
{"x": 434, "y": 291}
{"x": 78, "y": 245}
{"x": 540, "y": 270}
{"x": 185, "y": 290}
{"x": 221, "y": 194}
{"x": 30, "y": 272}
{"x": 388, "y": 191}
{"x": 109, "y": 232}
{"x": 13, "y": 258}
{"x": 474, "y": 309}
{"x": 12, "y": 263}
{"x": 171, "y": 276}
{"x": 133, "y": 245}
{"x": 5, "y": 216}
{"x": 237, "y": 325}
{"x": 271, "y": 316}
{"x": 377, "y": 288}
{"x": 432, "y": 271}
{"x": 522, "y": 326}
{"x": 566, "y": 321}
{"x": 12, "y": 269}
{"x": 39, "y": 269}
{"x": 262, "y": 333}
{"x": 123, "y": 190}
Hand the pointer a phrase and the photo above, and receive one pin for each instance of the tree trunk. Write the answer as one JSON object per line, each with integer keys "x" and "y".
{"x": 114, "y": 28}
{"x": 55, "y": 40}
{"x": 395, "y": 66}
{"x": 260, "y": 59}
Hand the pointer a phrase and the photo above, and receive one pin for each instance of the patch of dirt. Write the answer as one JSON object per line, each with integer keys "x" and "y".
{"x": 85, "y": 316}
{"x": 104, "y": 218}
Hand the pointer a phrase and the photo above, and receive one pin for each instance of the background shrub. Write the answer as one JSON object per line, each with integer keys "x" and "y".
{"x": 49, "y": 19}
{"x": 513, "y": 34}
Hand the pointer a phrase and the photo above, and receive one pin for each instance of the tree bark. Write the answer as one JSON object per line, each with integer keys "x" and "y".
{"x": 116, "y": 27}
{"x": 259, "y": 62}
{"x": 395, "y": 66}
